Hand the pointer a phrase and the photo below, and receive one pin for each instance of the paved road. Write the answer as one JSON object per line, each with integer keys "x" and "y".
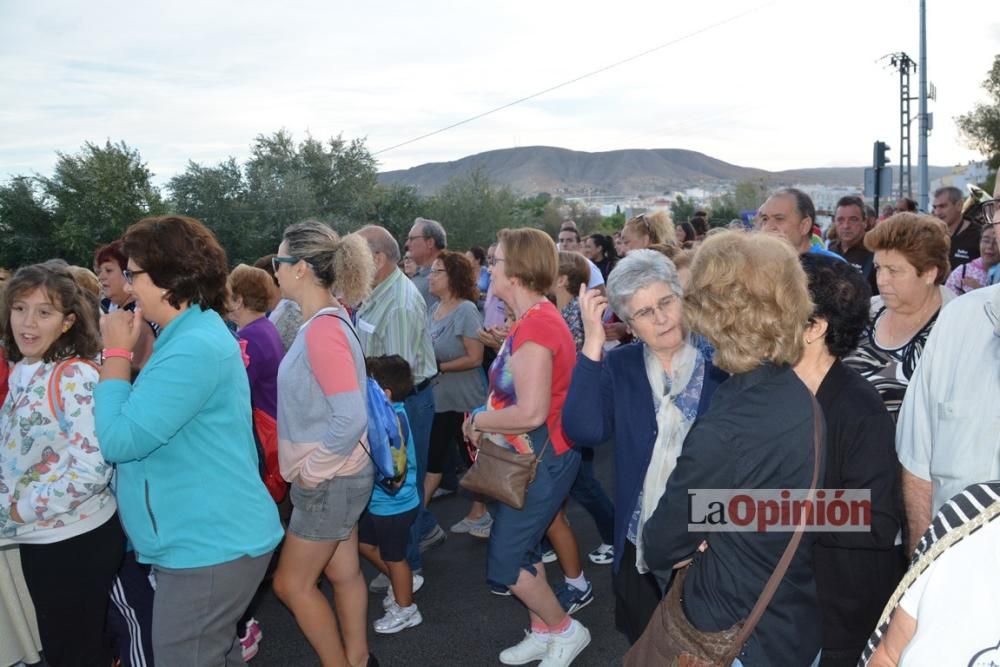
{"x": 464, "y": 624}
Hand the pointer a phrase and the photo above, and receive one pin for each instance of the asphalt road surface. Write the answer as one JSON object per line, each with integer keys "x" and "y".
{"x": 464, "y": 624}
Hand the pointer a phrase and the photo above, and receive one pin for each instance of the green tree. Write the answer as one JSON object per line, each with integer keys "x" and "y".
{"x": 28, "y": 229}
{"x": 395, "y": 207}
{"x": 95, "y": 195}
{"x": 473, "y": 209}
{"x": 749, "y": 195}
{"x": 681, "y": 209}
{"x": 981, "y": 126}
{"x": 723, "y": 209}
{"x": 218, "y": 197}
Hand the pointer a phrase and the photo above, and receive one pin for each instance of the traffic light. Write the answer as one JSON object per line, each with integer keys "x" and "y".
{"x": 881, "y": 159}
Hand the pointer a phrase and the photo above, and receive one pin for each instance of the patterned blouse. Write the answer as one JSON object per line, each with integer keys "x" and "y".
{"x": 574, "y": 320}
{"x": 889, "y": 370}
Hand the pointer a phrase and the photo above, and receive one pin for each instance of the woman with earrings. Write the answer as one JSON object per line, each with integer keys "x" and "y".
{"x": 191, "y": 497}
{"x": 322, "y": 431}
{"x": 55, "y": 502}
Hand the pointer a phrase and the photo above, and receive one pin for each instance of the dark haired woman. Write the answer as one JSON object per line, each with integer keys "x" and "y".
{"x": 191, "y": 496}
{"x": 600, "y": 250}
{"x": 110, "y": 263}
{"x": 322, "y": 420}
{"x": 454, "y": 324}
{"x": 54, "y": 496}
{"x": 856, "y": 571}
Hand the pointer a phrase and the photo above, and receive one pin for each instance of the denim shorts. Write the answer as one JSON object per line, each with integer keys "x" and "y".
{"x": 329, "y": 512}
{"x": 516, "y": 536}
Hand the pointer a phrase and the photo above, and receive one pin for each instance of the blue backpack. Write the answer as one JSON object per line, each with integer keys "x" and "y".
{"x": 386, "y": 441}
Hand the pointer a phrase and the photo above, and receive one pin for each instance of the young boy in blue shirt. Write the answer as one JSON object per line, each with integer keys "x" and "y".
{"x": 384, "y": 528}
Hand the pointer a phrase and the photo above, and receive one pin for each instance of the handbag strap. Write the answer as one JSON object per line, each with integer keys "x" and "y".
{"x": 786, "y": 558}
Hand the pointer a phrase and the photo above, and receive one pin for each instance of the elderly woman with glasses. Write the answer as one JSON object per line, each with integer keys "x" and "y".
{"x": 646, "y": 398}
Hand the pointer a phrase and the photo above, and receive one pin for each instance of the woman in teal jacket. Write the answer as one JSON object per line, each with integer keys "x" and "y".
{"x": 190, "y": 495}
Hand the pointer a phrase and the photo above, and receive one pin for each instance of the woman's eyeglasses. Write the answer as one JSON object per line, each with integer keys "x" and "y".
{"x": 277, "y": 259}
{"x": 130, "y": 275}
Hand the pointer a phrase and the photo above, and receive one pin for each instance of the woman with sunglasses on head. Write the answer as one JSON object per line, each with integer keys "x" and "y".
{"x": 191, "y": 497}
{"x": 55, "y": 501}
{"x": 322, "y": 430}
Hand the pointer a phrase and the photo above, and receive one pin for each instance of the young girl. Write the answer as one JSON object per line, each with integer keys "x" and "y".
{"x": 54, "y": 496}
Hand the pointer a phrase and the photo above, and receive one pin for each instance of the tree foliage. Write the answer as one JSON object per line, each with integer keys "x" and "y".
{"x": 28, "y": 227}
{"x": 981, "y": 126}
{"x": 95, "y": 195}
{"x": 472, "y": 209}
{"x": 681, "y": 209}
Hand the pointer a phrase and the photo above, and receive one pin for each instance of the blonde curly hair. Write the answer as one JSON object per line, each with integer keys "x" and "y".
{"x": 344, "y": 265}
{"x": 749, "y": 297}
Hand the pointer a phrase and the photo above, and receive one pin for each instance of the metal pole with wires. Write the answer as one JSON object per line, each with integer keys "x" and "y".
{"x": 923, "y": 195}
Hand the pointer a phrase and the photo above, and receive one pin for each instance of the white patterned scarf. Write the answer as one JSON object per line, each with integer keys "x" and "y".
{"x": 675, "y": 401}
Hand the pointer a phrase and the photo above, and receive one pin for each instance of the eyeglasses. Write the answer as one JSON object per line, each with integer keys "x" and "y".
{"x": 276, "y": 260}
{"x": 130, "y": 275}
{"x": 438, "y": 271}
{"x": 650, "y": 312}
{"x": 493, "y": 261}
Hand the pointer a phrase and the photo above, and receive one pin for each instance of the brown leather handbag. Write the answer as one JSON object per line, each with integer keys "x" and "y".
{"x": 670, "y": 640}
{"x": 501, "y": 473}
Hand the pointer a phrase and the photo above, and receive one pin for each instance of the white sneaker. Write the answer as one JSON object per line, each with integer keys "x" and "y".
{"x": 466, "y": 525}
{"x": 390, "y": 597}
{"x": 602, "y": 555}
{"x": 564, "y": 647}
{"x": 549, "y": 556}
{"x": 379, "y": 584}
{"x": 532, "y": 647}
{"x": 397, "y": 618}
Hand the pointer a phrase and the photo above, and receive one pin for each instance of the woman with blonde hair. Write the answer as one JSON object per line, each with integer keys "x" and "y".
{"x": 749, "y": 297}
{"x": 322, "y": 429}
{"x": 648, "y": 229}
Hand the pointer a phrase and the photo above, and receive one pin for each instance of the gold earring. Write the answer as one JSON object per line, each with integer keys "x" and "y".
{"x": 65, "y": 328}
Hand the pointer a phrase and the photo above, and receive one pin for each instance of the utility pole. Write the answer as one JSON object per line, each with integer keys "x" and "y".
{"x": 923, "y": 197}
{"x": 904, "y": 64}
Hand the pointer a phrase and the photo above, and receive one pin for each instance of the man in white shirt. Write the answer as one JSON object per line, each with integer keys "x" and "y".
{"x": 947, "y": 436}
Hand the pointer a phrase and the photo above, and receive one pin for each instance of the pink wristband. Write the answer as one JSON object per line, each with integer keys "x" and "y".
{"x": 110, "y": 353}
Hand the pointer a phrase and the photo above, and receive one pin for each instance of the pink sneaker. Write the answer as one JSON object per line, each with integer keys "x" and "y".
{"x": 250, "y": 641}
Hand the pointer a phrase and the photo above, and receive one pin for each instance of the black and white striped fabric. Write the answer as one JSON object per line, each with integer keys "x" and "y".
{"x": 960, "y": 517}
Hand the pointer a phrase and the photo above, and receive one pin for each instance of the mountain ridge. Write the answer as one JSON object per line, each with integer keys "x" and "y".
{"x": 631, "y": 171}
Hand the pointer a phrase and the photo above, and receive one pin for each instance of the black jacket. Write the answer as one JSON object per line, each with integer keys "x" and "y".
{"x": 756, "y": 434}
{"x": 856, "y": 572}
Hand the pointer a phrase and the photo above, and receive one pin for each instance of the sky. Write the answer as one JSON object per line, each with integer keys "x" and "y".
{"x": 773, "y": 84}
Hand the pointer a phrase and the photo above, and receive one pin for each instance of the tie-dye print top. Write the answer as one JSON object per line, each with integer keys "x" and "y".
{"x": 541, "y": 324}
{"x": 52, "y": 472}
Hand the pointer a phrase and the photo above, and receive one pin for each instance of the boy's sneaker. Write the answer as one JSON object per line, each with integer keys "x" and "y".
{"x": 436, "y": 537}
{"x": 499, "y": 589}
{"x": 483, "y": 530}
{"x": 398, "y": 618}
{"x": 379, "y": 584}
{"x": 565, "y": 646}
{"x": 466, "y": 525}
{"x": 549, "y": 556}
{"x": 602, "y": 555}
{"x": 573, "y": 599}
{"x": 532, "y": 647}
{"x": 390, "y": 597}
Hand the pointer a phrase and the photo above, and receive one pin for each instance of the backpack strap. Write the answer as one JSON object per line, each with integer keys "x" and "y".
{"x": 56, "y": 402}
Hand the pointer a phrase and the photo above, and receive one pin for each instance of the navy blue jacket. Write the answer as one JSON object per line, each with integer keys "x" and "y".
{"x": 613, "y": 399}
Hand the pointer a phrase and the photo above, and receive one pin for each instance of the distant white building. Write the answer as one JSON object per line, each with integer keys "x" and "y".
{"x": 962, "y": 176}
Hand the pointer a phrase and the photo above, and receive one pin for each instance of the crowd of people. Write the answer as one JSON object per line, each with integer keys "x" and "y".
{"x": 179, "y": 436}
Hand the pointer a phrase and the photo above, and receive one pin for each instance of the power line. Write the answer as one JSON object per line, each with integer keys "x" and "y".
{"x": 577, "y": 79}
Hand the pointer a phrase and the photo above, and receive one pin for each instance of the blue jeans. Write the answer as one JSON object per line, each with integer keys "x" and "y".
{"x": 587, "y": 491}
{"x": 420, "y": 412}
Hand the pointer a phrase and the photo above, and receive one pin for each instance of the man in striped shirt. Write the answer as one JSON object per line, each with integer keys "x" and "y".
{"x": 393, "y": 320}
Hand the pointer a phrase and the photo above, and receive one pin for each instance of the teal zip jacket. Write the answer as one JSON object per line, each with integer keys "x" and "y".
{"x": 189, "y": 488}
